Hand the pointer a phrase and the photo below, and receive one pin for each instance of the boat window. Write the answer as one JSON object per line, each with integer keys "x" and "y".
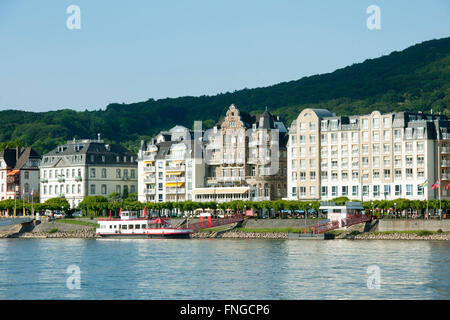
{"x": 138, "y": 226}
{"x": 124, "y": 226}
{"x": 110, "y": 226}
{"x": 143, "y": 226}
{"x": 130, "y": 226}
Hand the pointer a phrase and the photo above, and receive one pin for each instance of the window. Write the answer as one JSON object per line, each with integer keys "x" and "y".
{"x": 312, "y": 191}
{"x": 103, "y": 188}
{"x": 398, "y": 189}
{"x": 117, "y": 173}
{"x": 386, "y": 123}
{"x": 376, "y": 123}
{"x": 386, "y": 135}
{"x": 376, "y": 190}
{"x": 312, "y": 175}
{"x": 344, "y": 190}
{"x": 387, "y": 174}
{"x": 79, "y": 188}
{"x": 92, "y": 173}
{"x": 387, "y": 190}
{"x": 26, "y": 175}
{"x": 334, "y": 191}
{"x": 104, "y": 173}
{"x": 376, "y": 136}
{"x": 324, "y": 191}
{"x": 365, "y": 190}
{"x": 119, "y": 188}
{"x": 354, "y": 191}
{"x": 132, "y": 173}
{"x": 365, "y": 123}
{"x": 386, "y": 148}
{"x": 92, "y": 189}
{"x": 420, "y": 190}
{"x": 365, "y": 136}
{"x": 409, "y": 189}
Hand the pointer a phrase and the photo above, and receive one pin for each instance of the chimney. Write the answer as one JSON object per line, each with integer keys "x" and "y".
{"x": 98, "y": 135}
{"x": 17, "y": 154}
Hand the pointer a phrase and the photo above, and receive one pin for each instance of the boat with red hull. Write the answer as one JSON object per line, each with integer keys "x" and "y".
{"x": 130, "y": 226}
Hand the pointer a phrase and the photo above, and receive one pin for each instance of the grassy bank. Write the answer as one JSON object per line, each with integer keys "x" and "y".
{"x": 268, "y": 230}
{"x": 78, "y": 222}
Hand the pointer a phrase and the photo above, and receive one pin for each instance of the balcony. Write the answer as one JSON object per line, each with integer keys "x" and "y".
{"x": 44, "y": 180}
{"x": 445, "y": 176}
{"x": 149, "y": 169}
{"x": 229, "y": 179}
{"x": 445, "y": 136}
{"x": 445, "y": 163}
{"x": 150, "y": 179}
{"x": 150, "y": 191}
{"x": 78, "y": 178}
{"x": 175, "y": 191}
{"x": 445, "y": 150}
{"x": 175, "y": 168}
{"x": 173, "y": 179}
{"x": 61, "y": 179}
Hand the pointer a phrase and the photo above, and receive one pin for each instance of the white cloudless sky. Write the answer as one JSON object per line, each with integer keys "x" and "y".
{"x": 131, "y": 51}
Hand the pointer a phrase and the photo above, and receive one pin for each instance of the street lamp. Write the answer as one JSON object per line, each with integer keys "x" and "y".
{"x": 373, "y": 209}
{"x": 395, "y": 209}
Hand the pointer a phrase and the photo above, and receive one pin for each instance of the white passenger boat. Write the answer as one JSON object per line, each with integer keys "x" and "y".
{"x": 129, "y": 225}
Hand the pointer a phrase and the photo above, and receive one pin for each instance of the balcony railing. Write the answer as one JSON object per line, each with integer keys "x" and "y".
{"x": 445, "y": 150}
{"x": 175, "y": 179}
{"x": 175, "y": 168}
{"x": 149, "y": 191}
{"x": 175, "y": 190}
{"x": 149, "y": 169}
{"x": 78, "y": 178}
{"x": 445, "y": 163}
{"x": 44, "y": 180}
{"x": 150, "y": 179}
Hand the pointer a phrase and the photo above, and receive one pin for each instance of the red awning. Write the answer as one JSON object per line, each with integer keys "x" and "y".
{"x": 160, "y": 221}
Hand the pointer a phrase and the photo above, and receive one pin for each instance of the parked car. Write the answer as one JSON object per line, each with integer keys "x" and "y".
{"x": 58, "y": 215}
{"x": 77, "y": 214}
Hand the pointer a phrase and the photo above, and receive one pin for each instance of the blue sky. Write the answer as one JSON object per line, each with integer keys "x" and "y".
{"x": 130, "y": 51}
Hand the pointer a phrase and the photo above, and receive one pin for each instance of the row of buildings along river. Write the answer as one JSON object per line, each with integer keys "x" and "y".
{"x": 249, "y": 157}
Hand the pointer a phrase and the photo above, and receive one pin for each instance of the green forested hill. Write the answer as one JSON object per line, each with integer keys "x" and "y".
{"x": 417, "y": 78}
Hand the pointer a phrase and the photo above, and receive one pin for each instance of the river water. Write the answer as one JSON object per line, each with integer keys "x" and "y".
{"x": 223, "y": 269}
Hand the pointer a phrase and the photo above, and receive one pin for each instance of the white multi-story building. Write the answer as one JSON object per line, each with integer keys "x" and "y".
{"x": 87, "y": 167}
{"x": 167, "y": 167}
{"x": 369, "y": 157}
{"x": 19, "y": 173}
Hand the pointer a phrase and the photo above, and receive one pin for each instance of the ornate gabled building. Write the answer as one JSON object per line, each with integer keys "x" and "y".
{"x": 82, "y": 168}
{"x": 19, "y": 173}
{"x": 245, "y": 158}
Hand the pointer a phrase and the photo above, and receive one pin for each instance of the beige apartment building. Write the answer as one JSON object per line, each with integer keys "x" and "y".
{"x": 370, "y": 157}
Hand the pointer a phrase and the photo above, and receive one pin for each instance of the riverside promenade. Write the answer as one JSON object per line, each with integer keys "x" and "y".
{"x": 385, "y": 229}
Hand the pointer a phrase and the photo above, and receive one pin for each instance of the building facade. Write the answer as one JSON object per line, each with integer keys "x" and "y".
{"x": 82, "y": 168}
{"x": 19, "y": 173}
{"x": 245, "y": 158}
{"x": 370, "y": 157}
{"x": 168, "y": 170}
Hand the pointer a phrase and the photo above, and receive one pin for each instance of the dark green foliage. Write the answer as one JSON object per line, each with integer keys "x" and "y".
{"x": 415, "y": 79}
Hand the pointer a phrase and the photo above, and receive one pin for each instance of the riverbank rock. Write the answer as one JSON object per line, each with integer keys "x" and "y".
{"x": 240, "y": 235}
{"x": 401, "y": 236}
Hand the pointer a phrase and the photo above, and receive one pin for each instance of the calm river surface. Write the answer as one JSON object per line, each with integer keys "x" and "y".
{"x": 223, "y": 269}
